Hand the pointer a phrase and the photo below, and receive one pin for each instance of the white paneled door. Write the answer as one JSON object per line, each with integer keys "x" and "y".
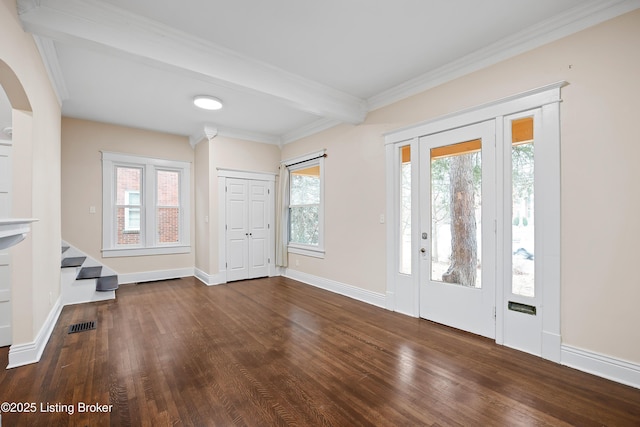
{"x": 457, "y": 250}
{"x": 247, "y": 228}
{"x": 5, "y": 277}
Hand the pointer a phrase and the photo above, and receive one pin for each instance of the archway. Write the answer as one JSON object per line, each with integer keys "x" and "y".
{"x": 13, "y": 99}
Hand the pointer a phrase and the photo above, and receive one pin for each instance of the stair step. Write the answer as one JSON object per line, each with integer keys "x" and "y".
{"x": 65, "y": 248}
{"x": 73, "y": 261}
{"x": 107, "y": 283}
{"x": 89, "y": 273}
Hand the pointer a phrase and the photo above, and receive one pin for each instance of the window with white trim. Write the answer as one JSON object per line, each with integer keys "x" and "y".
{"x": 306, "y": 207}
{"x": 145, "y": 205}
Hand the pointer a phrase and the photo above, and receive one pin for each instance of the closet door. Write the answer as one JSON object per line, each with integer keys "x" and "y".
{"x": 258, "y": 229}
{"x": 237, "y": 225}
{"x": 247, "y": 228}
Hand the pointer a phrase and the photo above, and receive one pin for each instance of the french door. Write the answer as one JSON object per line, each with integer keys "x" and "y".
{"x": 457, "y": 228}
{"x": 474, "y": 229}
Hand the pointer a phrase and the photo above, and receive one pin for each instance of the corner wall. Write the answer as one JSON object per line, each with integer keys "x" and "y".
{"x": 599, "y": 201}
{"x": 227, "y": 153}
{"x": 82, "y": 144}
{"x": 36, "y": 184}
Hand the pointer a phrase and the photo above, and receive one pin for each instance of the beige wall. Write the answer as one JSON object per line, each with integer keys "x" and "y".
{"x": 202, "y": 203}
{"x": 599, "y": 152}
{"x": 354, "y": 200}
{"x": 231, "y": 153}
{"x": 36, "y": 181}
{"x": 82, "y": 144}
{"x": 599, "y": 200}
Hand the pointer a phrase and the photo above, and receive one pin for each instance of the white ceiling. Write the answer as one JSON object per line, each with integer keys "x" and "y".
{"x": 284, "y": 68}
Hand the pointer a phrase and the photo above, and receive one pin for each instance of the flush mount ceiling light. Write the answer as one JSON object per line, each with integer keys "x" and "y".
{"x": 207, "y": 102}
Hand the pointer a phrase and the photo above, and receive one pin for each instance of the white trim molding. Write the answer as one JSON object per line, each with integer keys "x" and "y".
{"x": 151, "y": 276}
{"x": 79, "y": 22}
{"x": 31, "y": 352}
{"x": 608, "y": 367}
{"x": 148, "y": 244}
{"x": 241, "y": 174}
{"x": 585, "y": 15}
{"x": 370, "y": 297}
{"x": 527, "y": 100}
{"x": 223, "y": 175}
{"x": 49, "y": 56}
{"x": 545, "y": 103}
{"x": 210, "y": 279}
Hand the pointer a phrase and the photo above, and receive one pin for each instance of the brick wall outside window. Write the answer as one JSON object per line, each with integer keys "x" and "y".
{"x": 168, "y": 215}
{"x": 168, "y": 205}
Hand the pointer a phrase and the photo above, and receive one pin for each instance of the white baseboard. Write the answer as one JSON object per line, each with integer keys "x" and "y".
{"x": 603, "y": 366}
{"x": 149, "y": 276}
{"x": 27, "y": 353}
{"x": 209, "y": 279}
{"x": 551, "y": 346}
{"x": 370, "y": 297}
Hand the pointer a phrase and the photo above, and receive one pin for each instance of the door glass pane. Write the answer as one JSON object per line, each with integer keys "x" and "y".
{"x": 456, "y": 213}
{"x": 128, "y": 206}
{"x": 522, "y": 232}
{"x": 405, "y": 210}
{"x": 168, "y": 206}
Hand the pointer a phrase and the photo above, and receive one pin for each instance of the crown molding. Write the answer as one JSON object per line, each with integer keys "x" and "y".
{"x": 264, "y": 138}
{"x": 94, "y": 23}
{"x": 308, "y": 130}
{"x": 576, "y": 19}
{"x": 210, "y": 132}
{"x": 49, "y": 56}
{"x": 196, "y": 138}
{"x": 24, "y": 6}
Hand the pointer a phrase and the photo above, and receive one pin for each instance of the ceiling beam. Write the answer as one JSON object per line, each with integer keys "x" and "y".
{"x": 90, "y": 23}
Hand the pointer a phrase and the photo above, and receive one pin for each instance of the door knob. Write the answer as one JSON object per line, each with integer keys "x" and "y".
{"x": 423, "y": 250}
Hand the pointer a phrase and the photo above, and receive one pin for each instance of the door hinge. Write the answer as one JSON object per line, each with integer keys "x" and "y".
{"x": 268, "y": 260}
{"x": 226, "y": 265}
{"x": 225, "y": 227}
{"x": 268, "y": 226}
{"x": 225, "y": 189}
{"x": 268, "y": 191}
{"x": 494, "y": 311}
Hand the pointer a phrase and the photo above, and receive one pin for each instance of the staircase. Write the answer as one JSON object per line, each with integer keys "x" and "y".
{"x": 84, "y": 279}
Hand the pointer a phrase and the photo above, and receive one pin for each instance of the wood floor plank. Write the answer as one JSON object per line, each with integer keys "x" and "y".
{"x": 273, "y": 352}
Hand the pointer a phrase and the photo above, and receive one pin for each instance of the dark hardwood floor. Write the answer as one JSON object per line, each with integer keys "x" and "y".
{"x": 277, "y": 352}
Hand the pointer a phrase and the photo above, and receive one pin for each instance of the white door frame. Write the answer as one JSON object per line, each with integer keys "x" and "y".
{"x": 6, "y": 305}
{"x": 548, "y": 204}
{"x": 223, "y": 174}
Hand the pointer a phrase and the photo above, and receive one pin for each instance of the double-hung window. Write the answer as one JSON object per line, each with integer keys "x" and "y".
{"x": 145, "y": 205}
{"x": 306, "y": 206}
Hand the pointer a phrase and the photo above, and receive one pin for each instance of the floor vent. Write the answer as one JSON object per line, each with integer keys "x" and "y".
{"x": 81, "y": 327}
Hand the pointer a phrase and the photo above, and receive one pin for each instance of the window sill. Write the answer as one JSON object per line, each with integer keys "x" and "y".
{"x": 308, "y": 251}
{"x": 158, "y": 250}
